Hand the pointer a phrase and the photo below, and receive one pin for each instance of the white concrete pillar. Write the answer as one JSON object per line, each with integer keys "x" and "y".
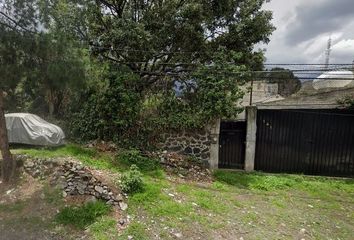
{"x": 214, "y": 145}
{"x": 251, "y": 118}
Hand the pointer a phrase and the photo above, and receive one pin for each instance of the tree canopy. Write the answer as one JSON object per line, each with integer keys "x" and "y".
{"x": 152, "y": 37}
{"x": 123, "y": 60}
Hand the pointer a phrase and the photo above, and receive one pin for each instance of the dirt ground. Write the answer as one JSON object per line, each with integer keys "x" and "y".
{"x": 235, "y": 205}
{"x": 27, "y": 209}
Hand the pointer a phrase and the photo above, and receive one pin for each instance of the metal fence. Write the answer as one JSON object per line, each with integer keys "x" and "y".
{"x": 315, "y": 142}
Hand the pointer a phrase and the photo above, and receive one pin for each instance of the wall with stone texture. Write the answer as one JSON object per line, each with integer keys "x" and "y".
{"x": 193, "y": 143}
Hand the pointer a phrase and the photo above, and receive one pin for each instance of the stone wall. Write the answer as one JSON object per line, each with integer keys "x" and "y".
{"x": 193, "y": 143}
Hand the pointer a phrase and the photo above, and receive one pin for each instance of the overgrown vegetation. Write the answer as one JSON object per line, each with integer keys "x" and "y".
{"x": 134, "y": 157}
{"x": 151, "y": 69}
{"x": 131, "y": 181}
{"x": 82, "y": 216}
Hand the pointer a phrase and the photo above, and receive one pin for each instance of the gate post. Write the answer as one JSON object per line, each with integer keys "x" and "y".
{"x": 251, "y": 118}
{"x": 214, "y": 146}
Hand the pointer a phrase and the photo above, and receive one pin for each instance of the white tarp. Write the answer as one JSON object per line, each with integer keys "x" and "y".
{"x": 30, "y": 129}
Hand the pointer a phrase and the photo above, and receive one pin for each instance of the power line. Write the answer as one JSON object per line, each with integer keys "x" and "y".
{"x": 307, "y": 64}
{"x": 196, "y": 52}
{"x": 171, "y": 74}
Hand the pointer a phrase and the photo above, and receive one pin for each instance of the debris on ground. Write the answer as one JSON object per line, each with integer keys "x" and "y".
{"x": 185, "y": 167}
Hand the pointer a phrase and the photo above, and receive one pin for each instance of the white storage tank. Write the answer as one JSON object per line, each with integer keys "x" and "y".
{"x": 334, "y": 79}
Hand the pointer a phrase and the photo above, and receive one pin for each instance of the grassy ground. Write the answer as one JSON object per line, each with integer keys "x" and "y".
{"x": 236, "y": 205}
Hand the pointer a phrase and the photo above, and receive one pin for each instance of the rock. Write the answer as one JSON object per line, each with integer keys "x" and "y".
{"x": 99, "y": 189}
{"x": 130, "y": 237}
{"x": 121, "y": 222}
{"x": 178, "y": 235}
{"x": 119, "y": 198}
{"x": 10, "y": 191}
{"x": 64, "y": 194}
{"x": 79, "y": 167}
{"x": 29, "y": 164}
{"x": 123, "y": 206}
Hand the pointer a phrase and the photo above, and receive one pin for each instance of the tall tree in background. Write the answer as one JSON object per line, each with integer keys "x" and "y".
{"x": 59, "y": 68}
{"x": 288, "y": 83}
{"x": 35, "y": 53}
{"x": 17, "y": 25}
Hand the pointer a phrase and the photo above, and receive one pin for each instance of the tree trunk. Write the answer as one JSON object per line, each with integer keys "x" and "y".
{"x": 8, "y": 163}
{"x": 51, "y": 108}
{"x": 50, "y": 101}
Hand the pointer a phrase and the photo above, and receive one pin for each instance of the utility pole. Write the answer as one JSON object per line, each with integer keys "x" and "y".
{"x": 328, "y": 51}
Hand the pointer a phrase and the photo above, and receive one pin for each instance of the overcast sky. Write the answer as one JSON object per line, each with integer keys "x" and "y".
{"x": 303, "y": 29}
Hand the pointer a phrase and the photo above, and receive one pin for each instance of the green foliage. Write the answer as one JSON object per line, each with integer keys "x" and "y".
{"x": 256, "y": 181}
{"x": 136, "y": 99}
{"x": 122, "y": 88}
{"x": 16, "y": 39}
{"x": 137, "y": 231}
{"x": 213, "y": 92}
{"x": 131, "y": 181}
{"x": 177, "y": 31}
{"x": 347, "y": 102}
{"x": 88, "y": 156}
{"x": 104, "y": 229}
{"x": 134, "y": 157}
{"x": 59, "y": 70}
{"x": 82, "y": 216}
{"x": 267, "y": 182}
{"x": 108, "y": 112}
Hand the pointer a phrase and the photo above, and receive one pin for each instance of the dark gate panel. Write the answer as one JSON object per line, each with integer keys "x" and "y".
{"x": 232, "y": 145}
{"x": 305, "y": 141}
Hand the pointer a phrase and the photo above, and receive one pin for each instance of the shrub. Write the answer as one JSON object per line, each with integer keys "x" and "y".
{"x": 131, "y": 181}
{"x": 84, "y": 215}
{"x": 134, "y": 157}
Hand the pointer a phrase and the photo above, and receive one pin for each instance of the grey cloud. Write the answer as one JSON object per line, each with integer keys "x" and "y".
{"x": 313, "y": 19}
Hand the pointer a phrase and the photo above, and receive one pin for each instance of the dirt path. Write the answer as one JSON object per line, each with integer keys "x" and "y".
{"x": 27, "y": 211}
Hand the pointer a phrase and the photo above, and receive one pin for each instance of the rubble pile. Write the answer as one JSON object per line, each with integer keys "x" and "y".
{"x": 74, "y": 179}
{"x": 184, "y": 166}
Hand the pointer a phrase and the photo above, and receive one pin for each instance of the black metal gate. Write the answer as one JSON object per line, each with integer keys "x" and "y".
{"x": 232, "y": 145}
{"x": 315, "y": 142}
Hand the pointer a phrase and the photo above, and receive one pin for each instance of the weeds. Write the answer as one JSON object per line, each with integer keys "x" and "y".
{"x": 84, "y": 215}
{"x": 134, "y": 157}
{"x": 131, "y": 181}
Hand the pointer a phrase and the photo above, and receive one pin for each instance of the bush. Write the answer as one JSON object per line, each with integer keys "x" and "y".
{"x": 131, "y": 181}
{"x": 134, "y": 157}
{"x": 84, "y": 215}
{"x": 106, "y": 110}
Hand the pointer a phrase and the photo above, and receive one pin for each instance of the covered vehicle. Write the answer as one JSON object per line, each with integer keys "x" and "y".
{"x": 25, "y": 128}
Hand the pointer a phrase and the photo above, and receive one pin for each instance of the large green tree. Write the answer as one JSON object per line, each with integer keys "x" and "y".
{"x": 172, "y": 36}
